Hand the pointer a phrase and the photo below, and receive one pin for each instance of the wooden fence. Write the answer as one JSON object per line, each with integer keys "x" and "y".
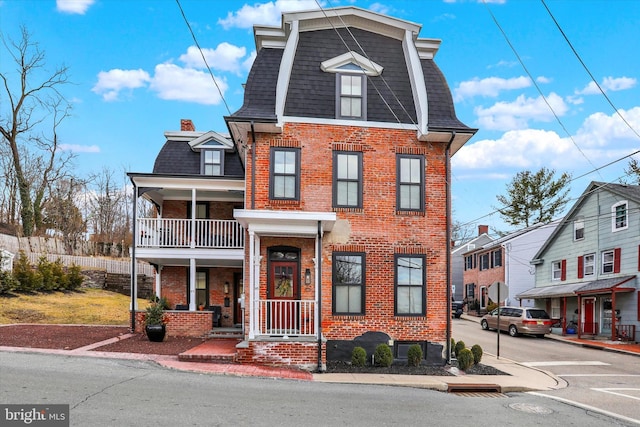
{"x": 95, "y": 263}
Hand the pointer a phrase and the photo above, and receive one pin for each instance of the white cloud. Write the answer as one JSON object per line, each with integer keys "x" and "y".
{"x": 225, "y": 57}
{"x": 543, "y": 79}
{"x": 380, "y": 8}
{"x": 246, "y": 65}
{"x": 600, "y": 139}
{"x": 172, "y": 82}
{"x": 78, "y": 7}
{"x": 75, "y": 148}
{"x": 491, "y": 86}
{"x": 517, "y": 114}
{"x": 266, "y": 13}
{"x": 612, "y": 84}
{"x": 521, "y": 149}
{"x": 111, "y": 82}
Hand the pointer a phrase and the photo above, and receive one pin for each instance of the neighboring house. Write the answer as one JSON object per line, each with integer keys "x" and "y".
{"x": 328, "y": 214}
{"x": 586, "y": 272}
{"x": 457, "y": 260}
{"x": 506, "y": 260}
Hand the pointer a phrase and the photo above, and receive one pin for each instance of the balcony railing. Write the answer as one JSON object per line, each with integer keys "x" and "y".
{"x": 286, "y": 318}
{"x": 187, "y": 233}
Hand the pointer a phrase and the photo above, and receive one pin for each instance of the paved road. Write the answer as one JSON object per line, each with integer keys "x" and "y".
{"x": 108, "y": 392}
{"x": 597, "y": 378}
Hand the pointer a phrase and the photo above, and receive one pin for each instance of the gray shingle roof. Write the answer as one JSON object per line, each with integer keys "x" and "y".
{"x": 177, "y": 158}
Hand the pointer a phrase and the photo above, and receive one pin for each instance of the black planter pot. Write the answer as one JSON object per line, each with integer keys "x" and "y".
{"x": 155, "y": 333}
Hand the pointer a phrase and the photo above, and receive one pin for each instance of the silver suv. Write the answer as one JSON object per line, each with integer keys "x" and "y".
{"x": 518, "y": 320}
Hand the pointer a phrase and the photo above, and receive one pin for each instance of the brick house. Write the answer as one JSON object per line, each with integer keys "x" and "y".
{"x": 505, "y": 259}
{"x": 341, "y": 213}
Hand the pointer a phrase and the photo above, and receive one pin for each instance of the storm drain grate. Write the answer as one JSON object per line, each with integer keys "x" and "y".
{"x": 476, "y": 390}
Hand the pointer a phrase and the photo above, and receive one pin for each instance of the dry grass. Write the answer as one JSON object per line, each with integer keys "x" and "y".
{"x": 88, "y": 307}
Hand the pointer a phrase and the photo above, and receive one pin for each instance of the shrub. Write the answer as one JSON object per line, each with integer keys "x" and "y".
{"x": 414, "y": 355}
{"x": 383, "y": 356}
{"x": 465, "y": 359}
{"x": 74, "y": 277}
{"x": 453, "y": 345}
{"x": 476, "y": 350}
{"x": 491, "y": 306}
{"x": 359, "y": 357}
{"x": 7, "y": 282}
{"x": 460, "y": 345}
{"x": 25, "y": 275}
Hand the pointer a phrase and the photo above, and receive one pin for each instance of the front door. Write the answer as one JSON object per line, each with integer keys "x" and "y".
{"x": 588, "y": 309}
{"x": 283, "y": 296}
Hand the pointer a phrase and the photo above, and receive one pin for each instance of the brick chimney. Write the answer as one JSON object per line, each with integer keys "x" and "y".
{"x": 483, "y": 229}
{"x": 187, "y": 125}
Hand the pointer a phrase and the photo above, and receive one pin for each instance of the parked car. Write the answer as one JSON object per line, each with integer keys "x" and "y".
{"x": 518, "y": 320}
{"x": 456, "y": 309}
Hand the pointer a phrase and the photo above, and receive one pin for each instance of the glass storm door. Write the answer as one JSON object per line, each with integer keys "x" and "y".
{"x": 283, "y": 293}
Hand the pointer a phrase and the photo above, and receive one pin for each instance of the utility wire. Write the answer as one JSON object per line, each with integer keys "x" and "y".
{"x": 588, "y": 71}
{"x": 195, "y": 40}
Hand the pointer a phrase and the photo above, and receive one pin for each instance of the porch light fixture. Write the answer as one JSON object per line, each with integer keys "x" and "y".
{"x": 226, "y": 287}
{"x": 307, "y": 276}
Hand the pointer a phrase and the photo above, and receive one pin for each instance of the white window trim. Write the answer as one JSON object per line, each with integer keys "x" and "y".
{"x": 612, "y": 263}
{"x": 367, "y": 66}
{"x": 613, "y": 216}
{"x": 585, "y": 265}
{"x": 553, "y": 270}
{"x": 577, "y": 225}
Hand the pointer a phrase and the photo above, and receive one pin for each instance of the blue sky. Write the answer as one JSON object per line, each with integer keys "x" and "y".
{"x": 136, "y": 73}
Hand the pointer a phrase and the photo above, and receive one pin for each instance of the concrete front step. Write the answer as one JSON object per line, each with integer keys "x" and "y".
{"x": 211, "y": 358}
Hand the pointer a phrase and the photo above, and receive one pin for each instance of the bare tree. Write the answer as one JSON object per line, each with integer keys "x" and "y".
{"x": 32, "y": 110}
{"x": 109, "y": 209}
{"x": 62, "y": 214}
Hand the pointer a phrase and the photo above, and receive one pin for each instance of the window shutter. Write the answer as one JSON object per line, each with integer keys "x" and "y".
{"x": 580, "y": 267}
{"x": 616, "y": 260}
{"x": 563, "y": 271}
{"x": 639, "y": 269}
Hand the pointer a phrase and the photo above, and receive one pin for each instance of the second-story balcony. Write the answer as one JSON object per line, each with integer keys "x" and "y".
{"x": 189, "y": 233}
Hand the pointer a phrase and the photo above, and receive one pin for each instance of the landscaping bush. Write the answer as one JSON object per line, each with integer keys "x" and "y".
{"x": 414, "y": 355}
{"x": 465, "y": 359}
{"x": 460, "y": 345}
{"x": 74, "y": 277}
{"x": 491, "y": 306}
{"x": 453, "y": 346}
{"x": 476, "y": 350}
{"x": 7, "y": 282}
{"x": 382, "y": 356}
{"x": 359, "y": 357}
{"x": 28, "y": 279}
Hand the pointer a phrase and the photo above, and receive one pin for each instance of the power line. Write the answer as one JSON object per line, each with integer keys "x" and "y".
{"x": 195, "y": 40}
{"x": 588, "y": 71}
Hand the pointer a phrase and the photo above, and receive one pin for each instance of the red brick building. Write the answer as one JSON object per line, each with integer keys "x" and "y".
{"x": 343, "y": 143}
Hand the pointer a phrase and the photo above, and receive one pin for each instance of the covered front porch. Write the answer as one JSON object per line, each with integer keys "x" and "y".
{"x": 602, "y": 308}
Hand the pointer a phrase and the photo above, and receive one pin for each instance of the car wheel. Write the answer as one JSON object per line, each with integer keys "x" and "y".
{"x": 484, "y": 325}
{"x": 513, "y": 331}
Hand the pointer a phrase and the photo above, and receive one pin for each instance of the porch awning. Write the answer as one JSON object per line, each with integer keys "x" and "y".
{"x": 574, "y": 289}
{"x": 554, "y": 291}
{"x": 284, "y": 223}
{"x": 607, "y": 286}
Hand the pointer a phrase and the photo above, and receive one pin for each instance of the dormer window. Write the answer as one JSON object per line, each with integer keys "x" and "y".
{"x": 351, "y": 71}
{"x": 212, "y": 162}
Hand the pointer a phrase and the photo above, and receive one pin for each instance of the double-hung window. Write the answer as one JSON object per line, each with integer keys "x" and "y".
{"x": 608, "y": 259}
{"x": 410, "y": 285}
{"x": 347, "y": 179}
{"x": 578, "y": 229}
{"x": 351, "y": 96}
{"x": 619, "y": 216}
{"x": 496, "y": 258}
{"x": 410, "y": 183}
{"x": 484, "y": 261}
{"x": 212, "y": 162}
{"x": 348, "y": 283}
{"x": 556, "y": 270}
{"x": 285, "y": 174}
{"x": 589, "y": 264}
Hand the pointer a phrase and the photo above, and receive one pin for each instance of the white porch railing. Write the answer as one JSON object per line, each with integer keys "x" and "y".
{"x": 177, "y": 233}
{"x": 286, "y": 317}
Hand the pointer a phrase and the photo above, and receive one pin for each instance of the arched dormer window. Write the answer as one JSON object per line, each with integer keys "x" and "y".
{"x": 351, "y": 70}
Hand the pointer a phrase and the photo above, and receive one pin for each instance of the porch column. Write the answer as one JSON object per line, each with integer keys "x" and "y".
{"x": 613, "y": 316}
{"x": 579, "y": 316}
{"x": 254, "y": 283}
{"x": 192, "y": 237}
{"x": 192, "y": 284}
{"x": 158, "y": 280}
{"x": 564, "y": 316}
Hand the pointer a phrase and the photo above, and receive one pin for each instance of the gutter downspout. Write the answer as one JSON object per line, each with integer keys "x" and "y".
{"x": 447, "y": 168}
{"x": 253, "y": 167}
{"x": 319, "y": 279}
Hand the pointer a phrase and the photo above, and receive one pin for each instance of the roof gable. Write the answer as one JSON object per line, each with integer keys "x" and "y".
{"x": 351, "y": 62}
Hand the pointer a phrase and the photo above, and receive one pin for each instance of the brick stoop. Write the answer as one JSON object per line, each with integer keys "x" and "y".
{"x": 213, "y": 350}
